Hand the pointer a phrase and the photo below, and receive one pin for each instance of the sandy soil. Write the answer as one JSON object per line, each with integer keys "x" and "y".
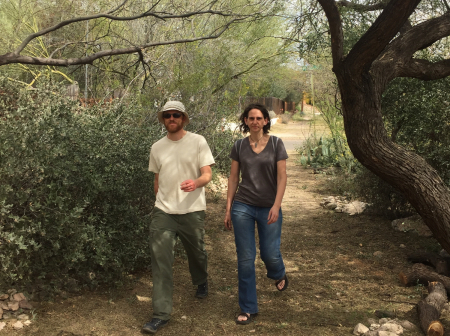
{"x": 335, "y": 281}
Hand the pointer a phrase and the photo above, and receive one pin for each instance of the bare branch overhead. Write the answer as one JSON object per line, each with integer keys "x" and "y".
{"x": 116, "y": 18}
{"x": 10, "y": 58}
{"x": 425, "y": 70}
{"x": 118, "y": 7}
{"x": 218, "y": 21}
{"x": 360, "y": 7}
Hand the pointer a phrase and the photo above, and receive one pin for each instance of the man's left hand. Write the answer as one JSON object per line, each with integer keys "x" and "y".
{"x": 188, "y": 186}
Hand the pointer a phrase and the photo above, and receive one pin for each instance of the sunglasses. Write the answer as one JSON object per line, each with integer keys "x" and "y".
{"x": 176, "y": 115}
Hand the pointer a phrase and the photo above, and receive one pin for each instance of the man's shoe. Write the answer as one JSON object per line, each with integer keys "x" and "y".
{"x": 153, "y": 326}
{"x": 202, "y": 291}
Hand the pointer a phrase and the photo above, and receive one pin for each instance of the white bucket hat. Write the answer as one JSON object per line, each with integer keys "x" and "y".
{"x": 173, "y": 105}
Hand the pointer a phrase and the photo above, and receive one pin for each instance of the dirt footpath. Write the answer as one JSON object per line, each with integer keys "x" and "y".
{"x": 335, "y": 281}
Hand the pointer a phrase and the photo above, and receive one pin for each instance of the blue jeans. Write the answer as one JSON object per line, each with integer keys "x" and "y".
{"x": 243, "y": 217}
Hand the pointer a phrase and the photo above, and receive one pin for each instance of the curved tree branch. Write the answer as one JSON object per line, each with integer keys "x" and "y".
{"x": 363, "y": 8}
{"x": 425, "y": 70}
{"x": 10, "y": 58}
{"x": 419, "y": 37}
{"x": 398, "y": 56}
{"x": 382, "y": 31}
{"x": 115, "y": 18}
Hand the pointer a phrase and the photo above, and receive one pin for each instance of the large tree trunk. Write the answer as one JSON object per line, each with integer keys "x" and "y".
{"x": 386, "y": 51}
{"x": 406, "y": 171}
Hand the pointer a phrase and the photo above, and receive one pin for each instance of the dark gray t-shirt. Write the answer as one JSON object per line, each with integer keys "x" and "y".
{"x": 258, "y": 185}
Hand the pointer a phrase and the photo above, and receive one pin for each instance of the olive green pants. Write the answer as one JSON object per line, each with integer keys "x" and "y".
{"x": 163, "y": 230}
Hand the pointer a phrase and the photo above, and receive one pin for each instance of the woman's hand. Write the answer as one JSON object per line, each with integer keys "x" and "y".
{"x": 273, "y": 214}
{"x": 227, "y": 220}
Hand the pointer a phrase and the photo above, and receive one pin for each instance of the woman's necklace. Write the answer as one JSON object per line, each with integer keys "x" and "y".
{"x": 256, "y": 142}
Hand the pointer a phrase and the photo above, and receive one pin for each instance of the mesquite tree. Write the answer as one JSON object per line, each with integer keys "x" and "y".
{"x": 389, "y": 49}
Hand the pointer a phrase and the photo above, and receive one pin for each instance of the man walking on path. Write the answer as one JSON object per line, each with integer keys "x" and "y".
{"x": 182, "y": 163}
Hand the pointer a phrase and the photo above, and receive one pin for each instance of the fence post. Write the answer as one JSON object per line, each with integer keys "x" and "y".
{"x": 73, "y": 90}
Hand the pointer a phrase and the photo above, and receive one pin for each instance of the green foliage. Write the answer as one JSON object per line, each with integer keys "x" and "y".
{"x": 417, "y": 114}
{"x": 75, "y": 195}
{"x": 323, "y": 152}
{"x": 74, "y": 187}
{"x": 243, "y": 48}
{"x": 278, "y": 80}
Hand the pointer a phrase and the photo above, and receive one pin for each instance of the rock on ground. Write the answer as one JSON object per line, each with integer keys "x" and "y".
{"x": 408, "y": 325}
{"x": 371, "y": 333}
{"x": 18, "y": 325}
{"x": 413, "y": 223}
{"x": 386, "y": 333}
{"x": 354, "y": 208}
{"x": 13, "y": 305}
{"x": 360, "y": 329}
{"x": 340, "y": 204}
{"x": 391, "y": 327}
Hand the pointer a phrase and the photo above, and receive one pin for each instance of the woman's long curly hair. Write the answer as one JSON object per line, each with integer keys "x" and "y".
{"x": 244, "y": 128}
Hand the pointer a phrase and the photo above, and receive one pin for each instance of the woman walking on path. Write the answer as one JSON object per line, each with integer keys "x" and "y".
{"x": 261, "y": 159}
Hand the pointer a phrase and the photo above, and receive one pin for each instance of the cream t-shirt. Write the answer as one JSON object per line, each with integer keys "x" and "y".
{"x": 175, "y": 162}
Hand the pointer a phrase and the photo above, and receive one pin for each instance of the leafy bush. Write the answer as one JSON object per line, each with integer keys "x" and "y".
{"x": 417, "y": 114}
{"x": 76, "y": 195}
{"x": 324, "y": 152}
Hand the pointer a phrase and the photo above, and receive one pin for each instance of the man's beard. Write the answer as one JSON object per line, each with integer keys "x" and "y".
{"x": 172, "y": 129}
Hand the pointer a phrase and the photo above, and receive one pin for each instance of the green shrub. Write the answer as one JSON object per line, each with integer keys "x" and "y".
{"x": 76, "y": 195}
{"x": 325, "y": 152}
{"x": 417, "y": 114}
